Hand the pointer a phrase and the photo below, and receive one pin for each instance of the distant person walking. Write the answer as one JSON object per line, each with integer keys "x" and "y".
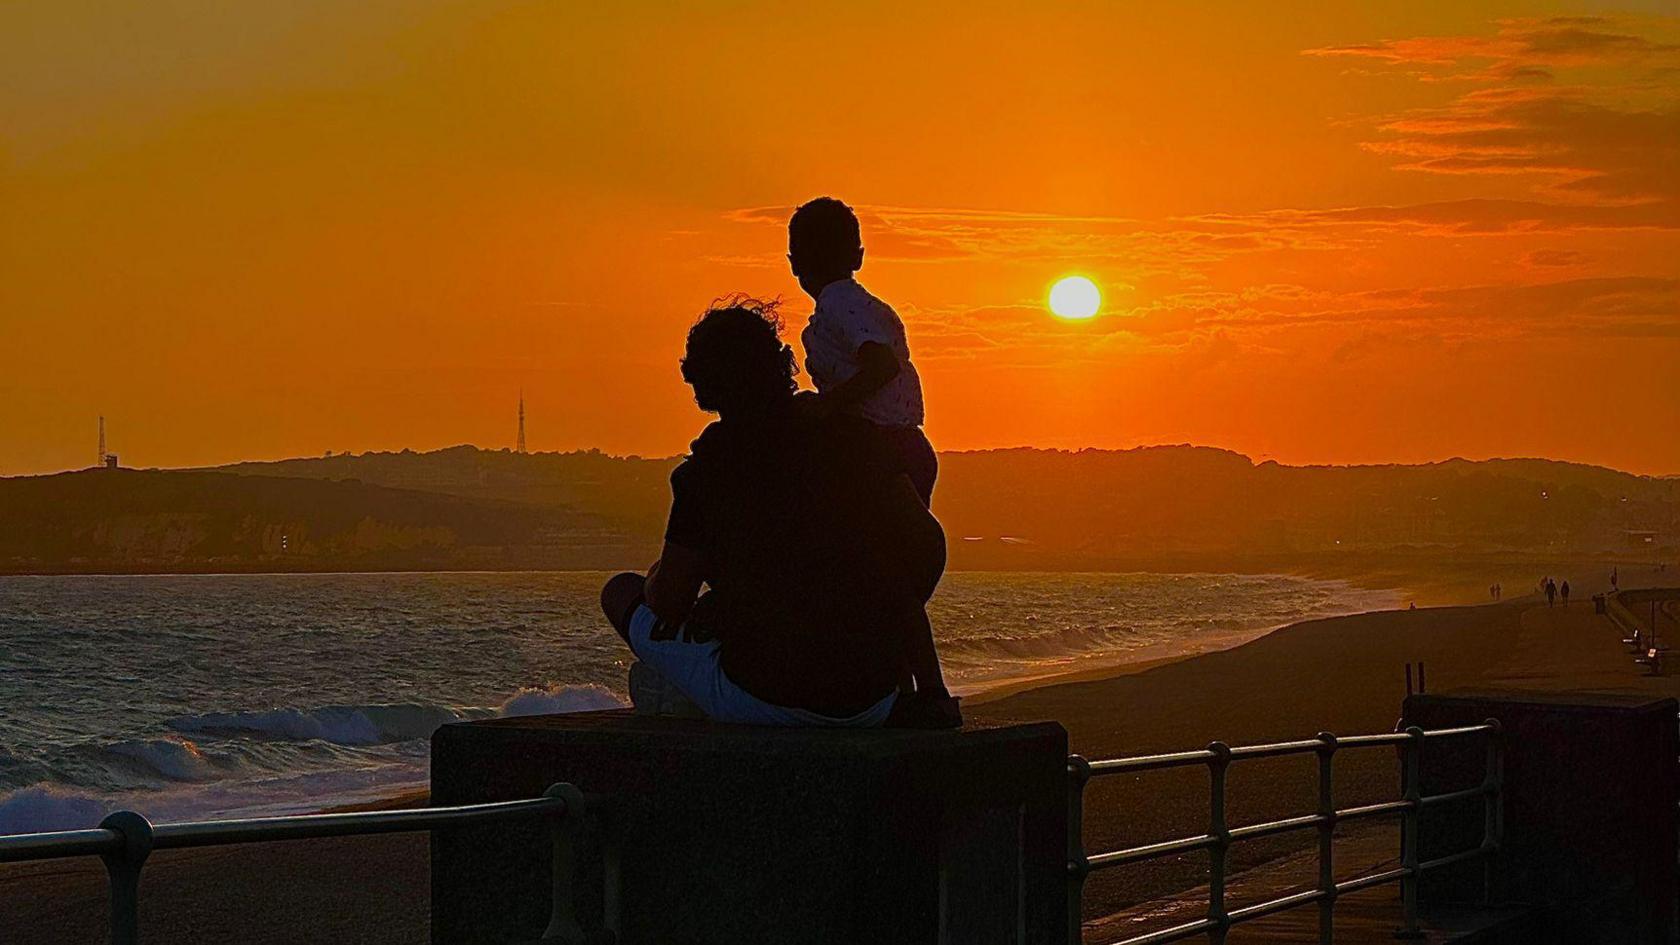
{"x": 1613, "y": 579}
{"x": 1565, "y": 591}
{"x": 1551, "y": 592}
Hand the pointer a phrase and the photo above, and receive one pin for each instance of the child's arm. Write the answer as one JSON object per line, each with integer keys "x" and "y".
{"x": 877, "y": 365}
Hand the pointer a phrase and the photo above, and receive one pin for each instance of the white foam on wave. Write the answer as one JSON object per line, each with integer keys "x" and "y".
{"x": 552, "y": 699}
{"x": 42, "y": 807}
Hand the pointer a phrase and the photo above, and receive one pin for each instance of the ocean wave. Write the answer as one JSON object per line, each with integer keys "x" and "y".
{"x": 381, "y": 724}
{"x": 337, "y": 724}
{"x": 371, "y": 751}
{"x": 42, "y": 807}
{"x": 173, "y": 759}
{"x": 1030, "y": 645}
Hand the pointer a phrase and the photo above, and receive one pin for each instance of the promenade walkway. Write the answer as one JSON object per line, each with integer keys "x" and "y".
{"x": 1557, "y": 649}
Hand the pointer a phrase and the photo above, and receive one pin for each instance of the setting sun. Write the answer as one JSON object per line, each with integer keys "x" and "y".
{"x": 1075, "y": 297}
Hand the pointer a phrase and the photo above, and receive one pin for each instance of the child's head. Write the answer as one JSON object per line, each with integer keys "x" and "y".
{"x": 824, "y": 244}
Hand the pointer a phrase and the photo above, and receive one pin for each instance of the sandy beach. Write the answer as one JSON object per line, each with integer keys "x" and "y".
{"x": 1343, "y": 674}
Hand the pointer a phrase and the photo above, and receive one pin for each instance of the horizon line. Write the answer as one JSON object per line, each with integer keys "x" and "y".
{"x": 347, "y": 454}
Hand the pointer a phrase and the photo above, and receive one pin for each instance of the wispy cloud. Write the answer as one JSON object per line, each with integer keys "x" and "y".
{"x": 1590, "y": 140}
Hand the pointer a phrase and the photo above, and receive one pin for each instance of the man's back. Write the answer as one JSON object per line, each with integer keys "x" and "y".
{"x": 812, "y": 543}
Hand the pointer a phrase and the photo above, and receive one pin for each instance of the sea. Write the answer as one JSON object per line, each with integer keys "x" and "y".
{"x": 188, "y": 697}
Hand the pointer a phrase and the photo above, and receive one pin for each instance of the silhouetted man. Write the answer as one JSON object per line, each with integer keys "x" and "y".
{"x": 809, "y": 534}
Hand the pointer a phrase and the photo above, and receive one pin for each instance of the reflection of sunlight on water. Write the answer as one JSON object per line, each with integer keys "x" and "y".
{"x": 999, "y": 629}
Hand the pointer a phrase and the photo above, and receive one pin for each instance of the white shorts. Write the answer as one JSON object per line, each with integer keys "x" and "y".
{"x": 697, "y": 671}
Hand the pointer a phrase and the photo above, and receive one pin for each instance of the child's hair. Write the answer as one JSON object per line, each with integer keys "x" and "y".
{"x": 735, "y": 358}
{"x": 824, "y": 228}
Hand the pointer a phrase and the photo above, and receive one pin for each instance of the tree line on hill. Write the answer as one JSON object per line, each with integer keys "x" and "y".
{"x": 1158, "y": 507}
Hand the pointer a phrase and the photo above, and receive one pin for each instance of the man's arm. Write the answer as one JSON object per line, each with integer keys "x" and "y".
{"x": 673, "y": 583}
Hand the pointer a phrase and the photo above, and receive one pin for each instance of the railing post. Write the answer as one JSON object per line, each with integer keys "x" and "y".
{"x": 1412, "y": 785}
{"x": 1078, "y": 864}
{"x": 1326, "y": 840}
{"x": 573, "y": 832}
{"x": 1493, "y": 810}
{"x": 122, "y": 866}
{"x": 1220, "y": 830}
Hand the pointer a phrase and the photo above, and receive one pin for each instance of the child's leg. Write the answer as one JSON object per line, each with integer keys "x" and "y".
{"x": 921, "y": 656}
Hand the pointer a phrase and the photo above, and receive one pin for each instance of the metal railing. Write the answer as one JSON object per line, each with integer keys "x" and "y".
{"x": 125, "y": 839}
{"x": 1221, "y": 835}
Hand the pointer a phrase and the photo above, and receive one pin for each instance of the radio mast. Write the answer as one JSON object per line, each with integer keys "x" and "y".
{"x": 519, "y": 447}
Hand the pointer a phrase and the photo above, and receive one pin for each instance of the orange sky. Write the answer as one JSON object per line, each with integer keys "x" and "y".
{"x": 1355, "y": 233}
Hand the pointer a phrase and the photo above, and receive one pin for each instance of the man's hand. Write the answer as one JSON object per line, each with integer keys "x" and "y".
{"x": 673, "y": 583}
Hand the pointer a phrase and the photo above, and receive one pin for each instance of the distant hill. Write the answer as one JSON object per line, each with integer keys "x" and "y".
{"x": 124, "y": 521}
{"x": 1178, "y": 507}
{"x": 1140, "y": 504}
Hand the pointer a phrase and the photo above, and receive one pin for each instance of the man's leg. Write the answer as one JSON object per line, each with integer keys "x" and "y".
{"x": 619, "y": 599}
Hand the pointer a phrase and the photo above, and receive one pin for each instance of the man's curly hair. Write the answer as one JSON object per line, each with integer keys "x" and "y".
{"x": 735, "y": 359}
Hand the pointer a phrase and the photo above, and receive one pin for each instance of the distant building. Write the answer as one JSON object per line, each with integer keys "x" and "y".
{"x": 110, "y": 461}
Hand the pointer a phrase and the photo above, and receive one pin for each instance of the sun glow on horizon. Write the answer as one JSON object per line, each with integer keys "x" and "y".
{"x": 1075, "y": 297}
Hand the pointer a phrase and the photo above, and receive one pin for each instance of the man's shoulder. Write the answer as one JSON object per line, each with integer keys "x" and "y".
{"x": 700, "y": 452}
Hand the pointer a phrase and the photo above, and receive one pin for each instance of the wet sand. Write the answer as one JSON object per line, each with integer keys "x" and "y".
{"x": 1343, "y": 674}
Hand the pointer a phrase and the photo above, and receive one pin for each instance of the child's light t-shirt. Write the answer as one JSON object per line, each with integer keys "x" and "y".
{"x": 846, "y": 317}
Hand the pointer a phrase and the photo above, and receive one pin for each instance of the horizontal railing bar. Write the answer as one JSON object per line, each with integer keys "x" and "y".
{"x": 1477, "y": 729}
{"x": 1367, "y": 741}
{"x": 17, "y": 848}
{"x": 1275, "y": 749}
{"x": 1373, "y": 810}
{"x": 1374, "y": 879}
{"x": 310, "y": 826}
{"x": 1449, "y": 860}
{"x": 1177, "y": 759}
{"x": 1261, "y": 909}
{"x": 1251, "y": 832}
{"x": 1151, "y": 851}
{"x": 1172, "y": 934}
{"x": 1450, "y": 796}
{"x": 1255, "y": 831}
